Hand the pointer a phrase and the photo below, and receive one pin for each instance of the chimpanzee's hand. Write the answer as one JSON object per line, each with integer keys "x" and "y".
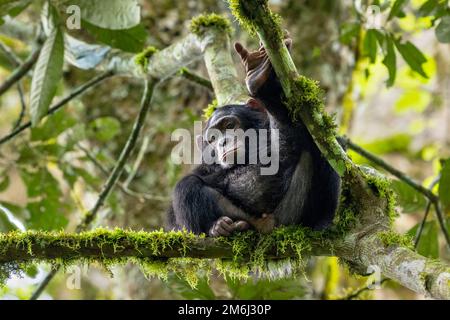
{"x": 265, "y": 224}
{"x": 225, "y": 226}
{"x": 257, "y": 65}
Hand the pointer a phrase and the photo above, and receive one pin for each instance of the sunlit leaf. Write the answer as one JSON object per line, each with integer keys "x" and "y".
{"x": 110, "y": 14}
{"x": 397, "y": 7}
{"x": 46, "y": 75}
{"x": 83, "y": 55}
{"x": 413, "y": 56}
{"x": 130, "y": 40}
{"x": 413, "y": 100}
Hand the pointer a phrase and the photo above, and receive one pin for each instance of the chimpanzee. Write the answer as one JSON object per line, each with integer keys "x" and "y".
{"x": 221, "y": 198}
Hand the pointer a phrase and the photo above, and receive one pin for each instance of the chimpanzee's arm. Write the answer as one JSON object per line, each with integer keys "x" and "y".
{"x": 201, "y": 208}
{"x": 262, "y": 82}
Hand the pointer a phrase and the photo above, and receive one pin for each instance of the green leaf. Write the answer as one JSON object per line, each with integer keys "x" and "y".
{"x": 370, "y": 45}
{"x": 444, "y": 186}
{"x": 429, "y": 242}
{"x": 413, "y": 56}
{"x": 349, "y": 31}
{"x": 427, "y": 8}
{"x": 397, "y": 8}
{"x": 52, "y": 126}
{"x": 46, "y": 75}
{"x": 130, "y": 40}
{"x": 110, "y": 14}
{"x": 4, "y": 181}
{"x": 46, "y": 208}
{"x": 390, "y": 61}
{"x": 13, "y": 7}
{"x": 443, "y": 30}
{"x": 408, "y": 198}
{"x": 46, "y": 215}
{"x": 104, "y": 129}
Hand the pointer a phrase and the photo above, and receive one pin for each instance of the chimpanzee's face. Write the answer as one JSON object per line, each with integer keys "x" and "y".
{"x": 226, "y": 131}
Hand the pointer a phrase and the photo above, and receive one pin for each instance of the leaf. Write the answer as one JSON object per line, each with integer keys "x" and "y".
{"x": 83, "y": 55}
{"x": 104, "y": 129}
{"x": 13, "y": 7}
{"x": 390, "y": 61}
{"x": 429, "y": 242}
{"x": 349, "y": 31}
{"x": 427, "y": 8}
{"x": 408, "y": 198}
{"x": 110, "y": 14}
{"x": 413, "y": 56}
{"x": 397, "y": 8}
{"x": 370, "y": 45}
{"x": 52, "y": 127}
{"x": 4, "y": 181}
{"x": 46, "y": 208}
{"x": 46, "y": 75}
{"x": 130, "y": 40}
{"x": 444, "y": 186}
{"x": 202, "y": 291}
{"x": 443, "y": 30}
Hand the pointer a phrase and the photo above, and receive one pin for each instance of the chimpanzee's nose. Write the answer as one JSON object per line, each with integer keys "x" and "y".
{"x": 224, "y": 141}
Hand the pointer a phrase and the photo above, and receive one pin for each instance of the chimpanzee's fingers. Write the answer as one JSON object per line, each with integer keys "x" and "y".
{"x": 241, "y": 50}
{"x": 221, "y": 231}
{"x": 226, "y": 226}
{"x": 241, "y": 225}
{"x": 228, "y": 220}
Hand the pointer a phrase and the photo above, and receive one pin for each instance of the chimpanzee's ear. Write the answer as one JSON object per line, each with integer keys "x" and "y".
{"x": 255, "y": 104}
{"x": 199, "y": 142}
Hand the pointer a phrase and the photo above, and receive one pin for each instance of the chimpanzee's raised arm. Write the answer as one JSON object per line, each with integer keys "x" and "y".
{"x": 261, "y": 80}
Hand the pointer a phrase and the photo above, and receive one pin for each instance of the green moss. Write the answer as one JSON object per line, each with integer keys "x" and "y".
{"x": 209, "y": 110}
{"x": 142, "y": 58}
{"x": 203, "y": 22}
{"x": 246, "y": 12}
{"x": 390, "y": 238}
{"x": 382, "y": 188}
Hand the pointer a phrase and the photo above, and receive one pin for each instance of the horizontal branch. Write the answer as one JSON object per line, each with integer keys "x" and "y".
{"x": 401, "y": 264}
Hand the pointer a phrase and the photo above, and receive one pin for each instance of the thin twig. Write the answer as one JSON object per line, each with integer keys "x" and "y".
{"x": 138, "y": 162}
{"x": 129, "y": 146}
{"x": 386, "y": 166}
{"x": 402, "y": 176}
{"x": 122, "y": 186}
{"x": 186, "y": 73}
{"x": 115, "y": 174}
{"x": 425, "y": 216}
{"x": 61, "y": 103}
{"x": 21, "y": 71}
{"x": 23, "y": 106}
{"x": 359, "y": 291}
{"x": 10, "y": 54}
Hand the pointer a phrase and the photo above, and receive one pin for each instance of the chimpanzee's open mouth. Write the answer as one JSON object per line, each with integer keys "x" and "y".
{"x": 227, "y": 153}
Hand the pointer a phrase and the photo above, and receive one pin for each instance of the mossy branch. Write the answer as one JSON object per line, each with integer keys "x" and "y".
{"x": 238, "y": 256}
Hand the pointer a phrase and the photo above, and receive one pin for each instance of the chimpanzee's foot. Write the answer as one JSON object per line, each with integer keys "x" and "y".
{"x": 225, "y": 226}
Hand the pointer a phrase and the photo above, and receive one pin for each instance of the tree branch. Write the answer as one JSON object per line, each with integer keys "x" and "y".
{"x": 420, "y": 274}
{"x": 21, "y": 71}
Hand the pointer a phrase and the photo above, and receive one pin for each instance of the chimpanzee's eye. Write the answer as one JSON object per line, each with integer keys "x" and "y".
{"x": 229, "y": 125}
